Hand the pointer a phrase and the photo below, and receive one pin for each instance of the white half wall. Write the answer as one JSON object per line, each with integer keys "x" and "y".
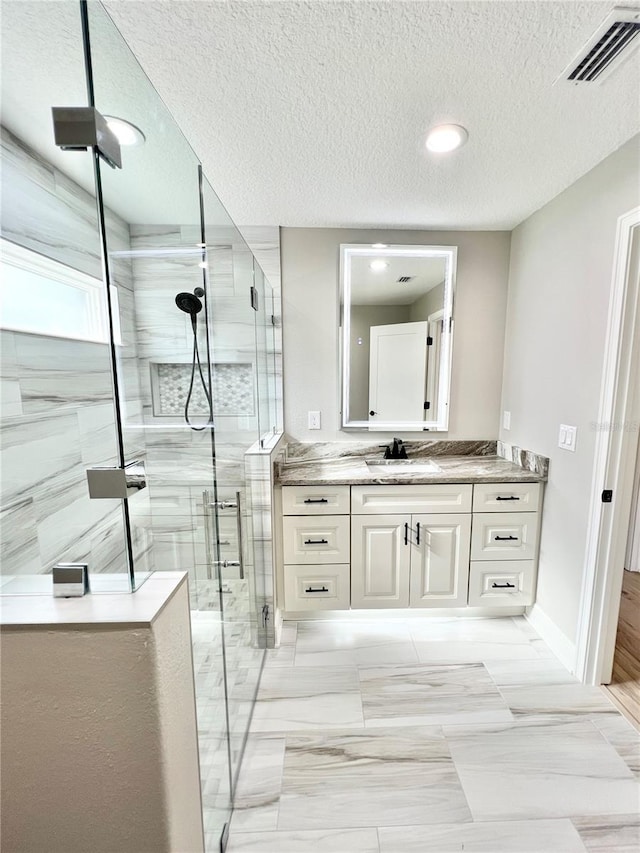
{"x": 99, "y": 736}
{"x": 310, "y": 291}
{"x": 559, "y": 288}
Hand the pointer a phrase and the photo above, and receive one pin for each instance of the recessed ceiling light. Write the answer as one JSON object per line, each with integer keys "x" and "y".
{"x": 446, "y": 137}
{"x": 378, "y": 245}
{"x": 378, "y": 265}
{"x": 126, "y": 133}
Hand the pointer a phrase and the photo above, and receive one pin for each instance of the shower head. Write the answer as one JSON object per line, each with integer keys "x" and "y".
{"x": 189, "y": 303}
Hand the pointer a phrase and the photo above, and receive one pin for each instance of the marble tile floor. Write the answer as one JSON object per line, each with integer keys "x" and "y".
{"x": 243, "y": 663}
{"x": 428, "y": 736}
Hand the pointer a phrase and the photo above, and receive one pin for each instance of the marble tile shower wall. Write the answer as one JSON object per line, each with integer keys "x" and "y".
{"x": 264, "y": 242}
{"x": 57, "y": 398}
{"x": 179, "y": 460}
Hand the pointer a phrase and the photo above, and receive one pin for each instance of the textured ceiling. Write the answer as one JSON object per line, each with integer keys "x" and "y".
{"x": 315, "y": 113}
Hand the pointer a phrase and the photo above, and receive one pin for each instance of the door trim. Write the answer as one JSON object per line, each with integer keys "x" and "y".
{"x": 615, "y": 450}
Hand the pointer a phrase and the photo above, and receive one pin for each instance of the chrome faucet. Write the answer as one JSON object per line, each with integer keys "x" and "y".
{"x": 398, "y": 450}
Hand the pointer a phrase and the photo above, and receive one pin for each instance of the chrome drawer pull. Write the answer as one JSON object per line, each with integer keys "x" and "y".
{"x": 510, "y": 498}
{"x": 316, "y": 541}
{"x": 316, "y": 501}
{"x": 311, "y": 589}
{"x": 506, "y": 538}
{"x": 503, "y": 585}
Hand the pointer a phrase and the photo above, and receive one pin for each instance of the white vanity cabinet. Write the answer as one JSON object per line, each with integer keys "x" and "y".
{"x": 316, "y": 544}
{"x": 504, "y": 544}
{"x": 417, "y": 559}
{"x": 409, "y": 560}
{"x": 424, "y": 546}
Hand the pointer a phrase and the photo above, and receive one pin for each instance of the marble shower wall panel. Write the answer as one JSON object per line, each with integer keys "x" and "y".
{"x": 57, "y": 393}
{"x": 259, "y": 466}
{"x": 36, "y": 212}
{"x": 179, "y": 460}
{"x": 264, "y": 242}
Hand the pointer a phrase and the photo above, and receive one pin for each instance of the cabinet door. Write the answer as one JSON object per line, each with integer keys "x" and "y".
{"x": 440, "y": 560}
{"x": 380, "y": 561}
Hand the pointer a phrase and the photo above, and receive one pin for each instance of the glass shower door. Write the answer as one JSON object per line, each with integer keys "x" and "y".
{"x": 152, "y": 236}
{"x": 234, "y": 365}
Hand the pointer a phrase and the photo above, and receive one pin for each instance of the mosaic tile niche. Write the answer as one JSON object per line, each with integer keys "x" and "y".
{"x": 233, "y": 389}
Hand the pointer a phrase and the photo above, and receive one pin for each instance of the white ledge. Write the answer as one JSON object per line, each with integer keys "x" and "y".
{"x": 111, "y": 610}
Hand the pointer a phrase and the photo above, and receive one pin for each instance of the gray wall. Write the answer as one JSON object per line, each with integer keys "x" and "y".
{"x": 428, "y": 304}
{"x": 310, "y": 286}
{"x": 559, "y": 286}
{"x": 57, "y": 397}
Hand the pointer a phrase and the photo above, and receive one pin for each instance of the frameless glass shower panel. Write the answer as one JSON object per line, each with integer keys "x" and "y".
{"x": 157, "y": 270}
{"x": 263, "y": 329}
{"x": 271, "y": 320}
{"x": 58, "y": 416}
{"x": 164, "y": 372}
{"x": 231, "y": 300}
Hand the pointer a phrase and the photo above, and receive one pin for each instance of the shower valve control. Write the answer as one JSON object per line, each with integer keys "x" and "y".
{"x": 227, "y": 564}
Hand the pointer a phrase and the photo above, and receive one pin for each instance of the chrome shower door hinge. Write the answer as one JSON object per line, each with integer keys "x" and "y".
{"x": 108, "y": 483}
{"x": 79, "y": 128}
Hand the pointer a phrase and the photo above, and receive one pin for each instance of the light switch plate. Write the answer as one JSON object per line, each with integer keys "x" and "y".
{"x": 506, "y": 420}
{"x": 314, "y": 420}
{"x": 567, "y": 437}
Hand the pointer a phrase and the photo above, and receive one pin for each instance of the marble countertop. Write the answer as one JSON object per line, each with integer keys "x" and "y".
{"x": 354, "y": 471}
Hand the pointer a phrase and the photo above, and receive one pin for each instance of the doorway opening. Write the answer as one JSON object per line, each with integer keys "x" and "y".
{"x": 615, "y": 462}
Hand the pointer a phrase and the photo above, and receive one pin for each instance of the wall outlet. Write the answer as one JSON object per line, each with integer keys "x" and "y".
{"x": 506, "y": 420}
{"x": 314, "y": 420}
{"x": 567, "y": 437}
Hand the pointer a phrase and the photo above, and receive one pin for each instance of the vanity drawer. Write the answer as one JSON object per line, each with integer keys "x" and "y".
{"x": 389, "y": 500}
{"x": 507, "y": 497}
{"x": 315, "y": 500}
{"x": 317, "y": 587}
{"x": 504, "y": 536}
{"x": 316, "y": 540}
{"x": 508, "y": 583}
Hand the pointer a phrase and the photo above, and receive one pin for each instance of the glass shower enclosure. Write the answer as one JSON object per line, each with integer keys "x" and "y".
{"x": 182, "y": 380}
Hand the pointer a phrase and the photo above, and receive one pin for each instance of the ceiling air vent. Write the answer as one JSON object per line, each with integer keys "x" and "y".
{"x": 405, "y": 278}
{"x": 612, "y": 43}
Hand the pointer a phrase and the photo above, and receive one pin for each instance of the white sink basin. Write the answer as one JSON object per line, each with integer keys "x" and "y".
{"x": 403, "y": 466}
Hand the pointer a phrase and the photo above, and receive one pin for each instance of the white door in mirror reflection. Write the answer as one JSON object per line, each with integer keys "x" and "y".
{"x": 398, "y": 372}
{"x": 434, "y": 351}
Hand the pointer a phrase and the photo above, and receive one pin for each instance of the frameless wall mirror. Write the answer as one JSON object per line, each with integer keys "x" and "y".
{"x": 397, "y": 321}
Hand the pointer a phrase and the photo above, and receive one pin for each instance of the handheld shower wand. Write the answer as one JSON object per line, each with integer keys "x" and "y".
{"x": 190, "y": 303}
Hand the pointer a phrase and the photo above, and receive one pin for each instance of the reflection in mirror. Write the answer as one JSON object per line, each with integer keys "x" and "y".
{"x": 397, "y": 318}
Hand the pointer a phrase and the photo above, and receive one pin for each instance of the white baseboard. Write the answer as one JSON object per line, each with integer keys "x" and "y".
{"x": 559, "y": 643}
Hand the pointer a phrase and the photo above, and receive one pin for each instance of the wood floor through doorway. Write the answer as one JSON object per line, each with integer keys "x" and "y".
{"x": 625, "y": 682}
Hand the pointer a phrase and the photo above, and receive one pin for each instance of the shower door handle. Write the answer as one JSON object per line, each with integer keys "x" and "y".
{"x": 206, "y": 502}
{"x": 238, "y": 508}
{"x": 240, "y": 539}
